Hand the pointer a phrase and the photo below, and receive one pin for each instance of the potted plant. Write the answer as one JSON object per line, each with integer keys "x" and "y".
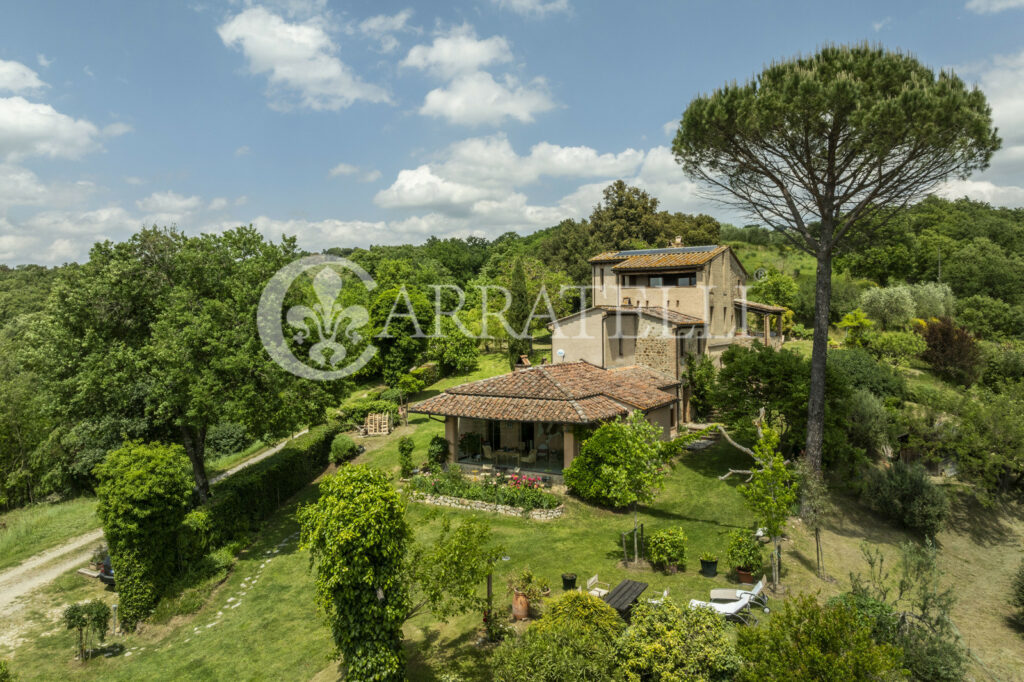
{"x": 709, "y": 564}
{"x": 666, "y": 548}
{"x": 526, "y": 587}
{"x": 745, "y": 555}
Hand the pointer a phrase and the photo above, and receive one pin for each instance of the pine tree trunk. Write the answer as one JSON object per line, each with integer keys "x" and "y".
{"x": 819, "y": 354}
{"x": 194, "y": 441}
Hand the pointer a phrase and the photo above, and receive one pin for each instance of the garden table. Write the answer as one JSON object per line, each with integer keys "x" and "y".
{"x": 624, "y": 595}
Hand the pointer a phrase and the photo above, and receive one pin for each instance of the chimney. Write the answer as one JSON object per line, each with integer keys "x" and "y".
{"x": 679, "y": 240}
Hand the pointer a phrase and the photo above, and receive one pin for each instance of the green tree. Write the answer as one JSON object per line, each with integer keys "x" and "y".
{"x": 666, "y": 642}
{"x": 806, "y": 641}
{"x": 700, "y": 379}
{"x": 776, "y": 288}
{"x": 405, "y": 448}
{"x": 520, "y": 342}
{"x": 771, "y": 491}
{"x": 144, "y": 493}
{"x": 400, "y": 320}
{"x": 815, "y": 505}
{"x": 891, "y": 307}
{"x": 454, "y": 351}
{"x": 815, "y": 146}
{"x": 357, "y": 537}
{"x": 622, "y": 465}
{"x": 858, "y": 327}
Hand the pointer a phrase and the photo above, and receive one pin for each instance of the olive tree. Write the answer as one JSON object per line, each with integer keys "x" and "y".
{"x": 818, "y": 147}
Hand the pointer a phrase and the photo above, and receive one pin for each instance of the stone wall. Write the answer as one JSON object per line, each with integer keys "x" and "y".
{"x": 479, "y": 505}
{"x": 656, "y": 346}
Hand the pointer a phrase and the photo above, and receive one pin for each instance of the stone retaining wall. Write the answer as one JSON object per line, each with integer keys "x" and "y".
{"x": 480, "y": 505}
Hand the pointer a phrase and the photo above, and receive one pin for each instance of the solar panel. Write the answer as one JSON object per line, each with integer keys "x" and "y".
{"x": 679, "y": 249}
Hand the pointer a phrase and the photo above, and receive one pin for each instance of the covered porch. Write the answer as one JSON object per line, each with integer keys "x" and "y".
{"x": 526, "y": 446}
{"x": 766, "y": 327}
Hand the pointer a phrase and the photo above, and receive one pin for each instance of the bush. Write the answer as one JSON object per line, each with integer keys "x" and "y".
{"x": 880, "y": 617}
{"x": 806, "y": 641}
{"x": 952, "y": 352}
{"x": 515, "y": 490}
{"x": 428, "y": 373}
{"x": 343, "y": 448}
{"x": 240, "y": 503}
{"x": 862, "y": 370}
{"x": 904, "y": 493}
{"x": 990, "y": 318}
{"x": 405, "y": 448}
{"x": 453, "y": 351}
{"x": 91, "y": 620}
{"x": 745, "y": 551}
{"x": 555, "y": 654}
{"x": 5, "y": 672}
{"x": 892, "y": 307}
{"x": 144, "y": 495}
{"x": 1003, "y": 363}
{"x": 227, "y": 439}
{"x": 869, "y": 425}
{"x": 579, "y": 611}
{"x": 665, "y": 642}
{"x": 1017, "y": 594}
{"x": 437, "y": 450}
{"x": 700, "y": 378}
{"x": 896, "y": 348}
{"x": 667, "y": 547}
{"x": 353, "y": 414}
{"x": 194, "y": 537}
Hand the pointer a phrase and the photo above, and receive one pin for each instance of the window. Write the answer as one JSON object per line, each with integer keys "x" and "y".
{"x": 657, "y": 281}
{"x": 672, "y": 416}
{"x": 687, "y": 279}
{"x": 602, "y": 278}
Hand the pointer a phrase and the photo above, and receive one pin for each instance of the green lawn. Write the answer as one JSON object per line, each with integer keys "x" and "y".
{"x": 219, "y": 465}
{"x": 27, "y": 531}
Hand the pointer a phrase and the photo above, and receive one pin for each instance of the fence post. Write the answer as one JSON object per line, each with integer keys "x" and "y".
{"x": 625, "y": 557}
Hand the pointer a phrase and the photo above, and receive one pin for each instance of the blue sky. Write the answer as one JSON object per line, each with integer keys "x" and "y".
{"x": 377, "y": 122}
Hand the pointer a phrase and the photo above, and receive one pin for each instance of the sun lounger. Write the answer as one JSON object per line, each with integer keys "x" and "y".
{"x": 735, "y": 610}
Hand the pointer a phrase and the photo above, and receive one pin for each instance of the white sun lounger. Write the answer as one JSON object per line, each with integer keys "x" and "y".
{"x": 733, "y": 609}
{"x": 757, "y": 596}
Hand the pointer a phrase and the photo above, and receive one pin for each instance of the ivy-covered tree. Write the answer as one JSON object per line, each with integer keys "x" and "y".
{"x": 816, "y": 147}
{"x": 144, "y": 494}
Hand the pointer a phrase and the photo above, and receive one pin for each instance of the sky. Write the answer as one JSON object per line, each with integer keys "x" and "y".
{"x": 358, "y": 123}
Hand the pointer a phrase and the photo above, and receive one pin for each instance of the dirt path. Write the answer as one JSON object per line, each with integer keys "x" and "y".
{"x": 21, "y": 580}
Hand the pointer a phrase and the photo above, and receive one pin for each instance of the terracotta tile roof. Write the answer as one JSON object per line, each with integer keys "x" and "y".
{"x": 571, "y": 393}
{"x": 647, "y": 375}
{"x": 760, "y": 307}
{"x": 657, "y": 259}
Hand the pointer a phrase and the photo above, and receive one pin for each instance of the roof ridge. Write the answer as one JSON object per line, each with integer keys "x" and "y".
{"x": 571, "y": 400}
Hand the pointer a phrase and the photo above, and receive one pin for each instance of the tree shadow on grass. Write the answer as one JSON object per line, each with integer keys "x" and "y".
{"x": 715, "y": 461}
{"x": 984, "y": 525}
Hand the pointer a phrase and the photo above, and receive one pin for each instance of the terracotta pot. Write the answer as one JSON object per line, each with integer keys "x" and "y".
{"x": 520, "y": 605}
{"x": 745, "y": 576}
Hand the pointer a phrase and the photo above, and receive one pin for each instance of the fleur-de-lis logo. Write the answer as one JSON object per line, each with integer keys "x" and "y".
{"x": 320, "y": 323}
{"x": 326, "y": 317}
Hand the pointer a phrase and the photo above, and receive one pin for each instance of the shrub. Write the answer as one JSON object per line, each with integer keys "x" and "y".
{"x": 428, "y": 373}
{"x": 745, "y": 551}
{"x": 880, "y": 617}
{"x": 437, "y": 450}
{"x": 5, "y": 672}
{"x": 452, "y": 350}
{"x": 343, "y": 448}
{"x": 90, "y": 620}
{"x": 144, "y": 494}
{"x": 989, "y": 318}
{"x": 952, "y": 352}
{"x": 700, "y": 377}
{"x": 667, "y": 547}
{"x": 988, "y": 440}
{"x": 869, "y": 425}
{"x": 226, "y": 439}
{"x": 861, "y": 370}
{"x": 932, "y": 299}
{"x": 665, "y": 642}
{"x": 806, "y": 641}
{"x": 1003, "y": 363}
{"x": 1017, "y": 594}
{"x": 579, "y": 611}
{"x": 194, "y": 537}
{"x": 405, "y": 448}
{"x": 556, "y": 654}
{"x": 242, "y": 502}
{"x": 353, "y": 414}
{"x": 904, "y": 493}
{"x": 892, "y": 307}
{"x": 896, "y": 348}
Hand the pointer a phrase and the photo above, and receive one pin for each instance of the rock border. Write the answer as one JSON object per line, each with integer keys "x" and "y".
{"x": 480, "y": 505}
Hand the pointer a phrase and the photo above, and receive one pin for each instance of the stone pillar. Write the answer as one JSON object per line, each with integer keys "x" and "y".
{"x": 781, "y": 339}
{"x": 569, "y": 445}
{"x": 767, "y": 319}
{"x": 451, "y": 434}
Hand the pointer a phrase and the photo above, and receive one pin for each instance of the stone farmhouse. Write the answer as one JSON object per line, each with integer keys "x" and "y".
{"x": 652, "y": 310}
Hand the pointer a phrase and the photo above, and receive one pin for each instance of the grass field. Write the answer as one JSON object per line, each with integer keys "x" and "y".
{"x": 30, "y": 530}
{"x": 275, "y": 633}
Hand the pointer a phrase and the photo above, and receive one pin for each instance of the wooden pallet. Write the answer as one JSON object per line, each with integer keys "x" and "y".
{"x": 378, "y": 424}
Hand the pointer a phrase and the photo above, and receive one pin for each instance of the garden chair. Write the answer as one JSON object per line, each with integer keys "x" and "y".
{"x": 659, "y": 600}
{"x": 530, "y": 458}
{"x": 757, "y": 596}
{"x": 737, "y": 610}
{"x": 596, "y": 587}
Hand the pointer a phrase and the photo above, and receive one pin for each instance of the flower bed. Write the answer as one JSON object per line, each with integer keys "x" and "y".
{"x": 523, "y": 492}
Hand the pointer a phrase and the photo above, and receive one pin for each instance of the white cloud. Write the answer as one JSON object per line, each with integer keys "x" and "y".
{"x": 298, "y": 60}
{"x": 61, "y": 251}
{"x": 879, "y": 25}
{"x": 458, "y": 52}
{"x": 116, "y": 129}
{"x": 343, "y": 169}
{"x": 421, "y": 188}
{"x": 16, "y": 77}
{"x": 383, "y": 28}
{"x": 669, "y": 128}
{"x": 88, "y": 72}
{"x": 983, "y": 190}
{"x": 243, "y": 150}
{"x": 13, "y": 247}
{"x": 533, "y": 7}
{"x": 993, "y": 6}
{"x": 218, "y": 204}
{"x": 242, "y": 200}
{"x": 476, "y": 98}
{"x": 19, "y": 187}
{"x": 44, "y": 61}
{"x": 372, "y": 176}
{"x": 33, "y": 129}
{"x": 134, "y": 180}
{"x": 89, "y": 225}
{"x": 167, "y": 208}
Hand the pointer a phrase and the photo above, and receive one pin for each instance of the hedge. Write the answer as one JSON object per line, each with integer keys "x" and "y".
{"x": 240, "y": 503}
{"x": 428, "y": 373}
{"x": 354, "y": 414}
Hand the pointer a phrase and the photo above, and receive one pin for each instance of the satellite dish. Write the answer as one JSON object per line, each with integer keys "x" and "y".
{"x": 760, "y": 274}
{"x": 560, "y": 353}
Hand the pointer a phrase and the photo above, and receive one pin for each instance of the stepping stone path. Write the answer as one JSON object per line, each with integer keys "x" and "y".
{"x": 248, "y": 582}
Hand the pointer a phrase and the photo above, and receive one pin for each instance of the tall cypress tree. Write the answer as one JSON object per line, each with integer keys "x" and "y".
{"x": 518, "y": 316}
